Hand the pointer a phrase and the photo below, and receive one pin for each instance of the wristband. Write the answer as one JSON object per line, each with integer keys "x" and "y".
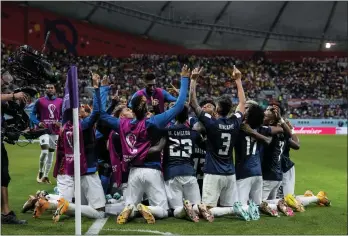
{"x": 13, "y": 97}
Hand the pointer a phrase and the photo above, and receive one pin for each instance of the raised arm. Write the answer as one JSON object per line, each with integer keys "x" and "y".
{"x": 196, "y": 73}
{"x": 161, "y": 120}
{"x": 237, "y": 76}
{"x": 168, "y": 97}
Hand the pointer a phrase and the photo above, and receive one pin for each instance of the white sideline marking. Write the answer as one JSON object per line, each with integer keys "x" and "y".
{"x": 97, "y": 226}
{"x": 141, "y": 231}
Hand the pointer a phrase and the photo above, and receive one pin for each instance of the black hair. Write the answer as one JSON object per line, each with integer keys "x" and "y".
{"x": 183, "y": 115}
{"x": 139, "y": 107}
{"x": 149, "y": 77}
{"x": 225, "y": 105}
{"x": 255, "y": 116}
{"x": 206, "y": 101}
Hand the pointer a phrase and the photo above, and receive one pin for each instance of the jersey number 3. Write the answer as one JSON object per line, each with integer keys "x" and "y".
{"x": 186, "y": 143}
{"x": 226, "y": 143}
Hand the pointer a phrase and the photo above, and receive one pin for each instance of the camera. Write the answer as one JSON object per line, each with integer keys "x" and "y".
{"x": 15, "y": 126}
{"x": 29, "y": 66}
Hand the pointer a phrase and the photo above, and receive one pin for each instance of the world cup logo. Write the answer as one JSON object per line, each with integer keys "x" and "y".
{"x": 51, "y": 109}
{"x": 69, "y": 138}
{"x": 131, "y": 139}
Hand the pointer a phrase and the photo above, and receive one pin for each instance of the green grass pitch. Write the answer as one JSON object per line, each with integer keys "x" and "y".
{"x": 321, "y": 164}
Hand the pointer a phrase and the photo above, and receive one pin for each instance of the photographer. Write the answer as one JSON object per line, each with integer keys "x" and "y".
{"x": 7, "y": 216}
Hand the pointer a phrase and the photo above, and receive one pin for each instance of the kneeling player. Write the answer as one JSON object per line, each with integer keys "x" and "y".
{"x": 179, "y": 172}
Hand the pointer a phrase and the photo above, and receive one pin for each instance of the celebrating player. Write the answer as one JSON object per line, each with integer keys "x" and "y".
{"x": 219, "y": 175}
{"x": 46, "y": 113}
{"x": 145, "y": 176}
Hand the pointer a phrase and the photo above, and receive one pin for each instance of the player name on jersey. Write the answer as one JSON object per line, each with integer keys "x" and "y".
{"x": 179, "y": 132}
{"x": 226, "y": 127}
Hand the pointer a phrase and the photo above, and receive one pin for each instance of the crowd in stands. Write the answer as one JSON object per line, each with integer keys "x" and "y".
{"x": 311, "y": 79}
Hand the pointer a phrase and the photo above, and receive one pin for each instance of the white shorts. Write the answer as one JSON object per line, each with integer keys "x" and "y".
{"x": 148, "y": 181}
{"x": 50, "y": 140}
{"x": 219, "y": 186}
{"x": 288, "y": 183}
{"x": 270, "y": 189}
{"x": 182, "y": 187}
{"x": 250, "y": 188}
{"x": 92, "y": 193}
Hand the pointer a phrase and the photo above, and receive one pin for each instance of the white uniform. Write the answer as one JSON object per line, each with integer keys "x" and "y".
{"x": 50, "y": 140}
{"x": 182, "y": 187}
{"x": 92, "y": 193}
{"x": 148, "y": 181}
{"x": 223, "y": 187}
{"x": 270, "y": 189}
{"x": 250, "y": 188}
{"x": 288, "y": 183}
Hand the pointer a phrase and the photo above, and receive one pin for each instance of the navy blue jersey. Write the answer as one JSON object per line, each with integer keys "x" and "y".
{"x": 221, "y": 136}
{"x": 198, "y": 156}
{"x": 271, "y": 161}
{"x": 180, "y": 145}
{"x": 287, "y": 164}
{"x": 248, "y": 154}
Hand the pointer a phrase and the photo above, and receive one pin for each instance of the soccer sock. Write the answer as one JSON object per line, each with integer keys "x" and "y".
{"x": 274, "y": 201}
{"x": 179, "y": 212}
{"x": 105, "y": 183}
{"x": 273, "y": 206}
{"x": 52, "y": 197}
{"x": 49, "y": 161}
{"x": 307, "y": 200}
{"x": 86, "y": 211}
{"x": 221, "y": 211}
{"x": 43, "y": 155}
{"x": 158, "y": 212}
{"x": 114, "y": 209}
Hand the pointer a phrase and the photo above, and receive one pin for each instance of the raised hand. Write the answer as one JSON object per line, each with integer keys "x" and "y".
{"x": 154, "y": 102}
{"x": 236, "y": 74}
{"x": 185, "y": 71}
{"x": 196, "y": 73}
{"x": 96, "y": 79}
{"x": 105, "y": 81}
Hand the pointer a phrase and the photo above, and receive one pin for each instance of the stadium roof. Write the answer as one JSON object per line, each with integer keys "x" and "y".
{"x": 273, "y": 25}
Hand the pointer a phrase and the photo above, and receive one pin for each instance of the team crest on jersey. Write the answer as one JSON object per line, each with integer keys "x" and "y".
{"x": 131, "y": 139}
{"x": 69, "y": 138}
{"x": 51, "y": 109}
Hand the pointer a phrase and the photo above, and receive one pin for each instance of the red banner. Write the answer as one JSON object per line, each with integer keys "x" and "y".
{"x": 315, "y": 130}
{"x": 27, "y": 25}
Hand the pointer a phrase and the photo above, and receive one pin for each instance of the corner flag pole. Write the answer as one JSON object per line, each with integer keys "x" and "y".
{"x": 74, "y": 95}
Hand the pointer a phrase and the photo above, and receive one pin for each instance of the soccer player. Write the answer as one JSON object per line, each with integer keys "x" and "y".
{"x": 179, "y": 172}
{"x": 288, "y": 167}
{"x": 145, "y": 175}
{"x": 151, "y": 92}
{"x": 248, "y": 155}
{"x": 219, "y": 175}
{"x": 46, "y": 113}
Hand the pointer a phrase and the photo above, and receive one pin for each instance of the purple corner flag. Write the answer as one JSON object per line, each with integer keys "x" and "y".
{"x": 71, "y": 93}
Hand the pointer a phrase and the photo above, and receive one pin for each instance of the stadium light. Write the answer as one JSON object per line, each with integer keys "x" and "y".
{"x": 328, "y": 45}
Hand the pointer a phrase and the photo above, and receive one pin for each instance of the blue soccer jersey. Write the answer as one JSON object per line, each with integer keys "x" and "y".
{"x": 272, "y": 156}
{"x": 180, "y": 145}
{"x": 221, "y": 136}
{"x": 248, "y": 154}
